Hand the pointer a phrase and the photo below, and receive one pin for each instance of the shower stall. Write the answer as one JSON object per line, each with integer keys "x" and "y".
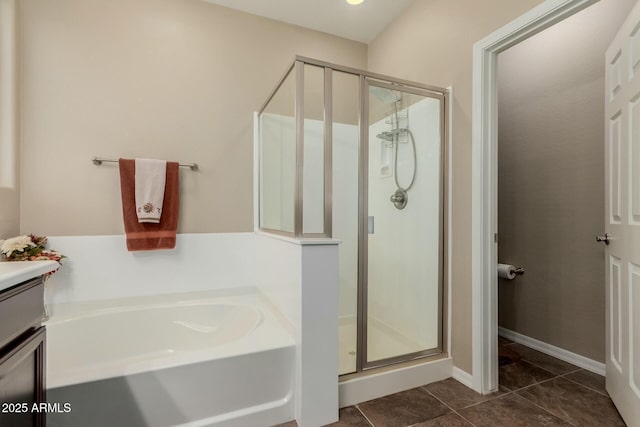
{"x": 360, "y": 157}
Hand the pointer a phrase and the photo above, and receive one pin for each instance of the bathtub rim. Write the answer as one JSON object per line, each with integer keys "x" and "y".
{"x": 65, "y": 309}
{"x": 273, "y": 332}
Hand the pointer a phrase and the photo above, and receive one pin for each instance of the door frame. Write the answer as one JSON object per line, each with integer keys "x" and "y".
{"x": 484, "y": 227}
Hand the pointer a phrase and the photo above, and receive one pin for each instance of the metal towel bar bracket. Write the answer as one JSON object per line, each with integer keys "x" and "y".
{"x": 98, "y": 161}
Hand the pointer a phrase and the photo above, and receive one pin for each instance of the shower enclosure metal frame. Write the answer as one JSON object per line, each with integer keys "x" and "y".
{"x": 365, "y": 80}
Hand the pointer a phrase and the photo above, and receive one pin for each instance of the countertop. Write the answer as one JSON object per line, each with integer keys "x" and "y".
{"x": 15, "y": 272}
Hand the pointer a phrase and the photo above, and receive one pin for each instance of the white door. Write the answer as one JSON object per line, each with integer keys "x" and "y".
{"x": 622, "y": 222}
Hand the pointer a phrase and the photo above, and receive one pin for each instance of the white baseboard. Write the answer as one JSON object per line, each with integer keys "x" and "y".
{"x": 368, "y": 387}
{"x": 463, "y": 377}
{"x": 551, "y": 350}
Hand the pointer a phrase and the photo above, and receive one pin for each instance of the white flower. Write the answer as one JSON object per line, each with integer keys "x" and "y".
{"x": 15, "y": 244}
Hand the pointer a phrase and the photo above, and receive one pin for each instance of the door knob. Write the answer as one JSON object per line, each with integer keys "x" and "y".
{"x": 606, "y": 238}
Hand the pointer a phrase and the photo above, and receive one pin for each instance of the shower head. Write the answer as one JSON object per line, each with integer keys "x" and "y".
{"x": 387, "y": 96}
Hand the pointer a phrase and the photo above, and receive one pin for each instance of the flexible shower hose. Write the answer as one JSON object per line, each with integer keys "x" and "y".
{"x": 415, "y": 163}
{"x": 415, "y": 154}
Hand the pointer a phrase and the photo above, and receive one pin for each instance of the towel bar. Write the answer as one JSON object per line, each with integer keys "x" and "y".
{"x": 98, "y": 161}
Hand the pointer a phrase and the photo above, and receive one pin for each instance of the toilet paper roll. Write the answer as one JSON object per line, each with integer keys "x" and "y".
{"x": 506, "y": 271}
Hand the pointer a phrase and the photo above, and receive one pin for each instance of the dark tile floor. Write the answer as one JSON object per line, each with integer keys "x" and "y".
{"x": 535, "y": 390}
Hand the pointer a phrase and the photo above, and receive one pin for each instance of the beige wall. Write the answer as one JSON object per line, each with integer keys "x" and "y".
{"x": 551, "y": 180}
{"x": 9, "y": 185}
{"x": 9, "y": 213}
{"x": 174, "y": 79}
{"x": 432, "y": 43}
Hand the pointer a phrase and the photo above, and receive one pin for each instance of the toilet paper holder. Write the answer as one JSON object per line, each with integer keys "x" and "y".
{"x": 509, "y": 272}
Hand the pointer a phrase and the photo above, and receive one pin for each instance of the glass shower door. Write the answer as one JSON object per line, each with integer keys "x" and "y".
{"x": 403, "y": 198}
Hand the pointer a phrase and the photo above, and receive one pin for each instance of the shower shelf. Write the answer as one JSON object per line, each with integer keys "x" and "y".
{"x": 402, "y": 122}
{"x": 403, "y": 118}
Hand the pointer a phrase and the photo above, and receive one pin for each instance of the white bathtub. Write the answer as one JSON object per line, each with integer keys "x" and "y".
{"x": 201, "y": 359}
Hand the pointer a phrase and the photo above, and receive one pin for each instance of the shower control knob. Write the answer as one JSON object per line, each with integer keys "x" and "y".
{"x": 399, "y": 198}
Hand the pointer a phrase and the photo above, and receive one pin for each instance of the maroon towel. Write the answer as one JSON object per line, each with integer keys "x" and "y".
{"x": 148, "y": 236}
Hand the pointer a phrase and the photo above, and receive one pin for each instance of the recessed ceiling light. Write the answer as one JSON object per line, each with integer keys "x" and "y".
{"x": 354, "y": 2}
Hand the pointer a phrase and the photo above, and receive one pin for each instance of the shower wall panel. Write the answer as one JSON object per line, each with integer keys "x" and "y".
{"x": 403, "y": 280}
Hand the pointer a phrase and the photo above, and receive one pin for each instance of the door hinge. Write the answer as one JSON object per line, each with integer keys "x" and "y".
{"x": 495, "y": 237}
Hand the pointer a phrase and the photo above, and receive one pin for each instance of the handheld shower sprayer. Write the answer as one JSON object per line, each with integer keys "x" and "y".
{"x": 400, "y": 197}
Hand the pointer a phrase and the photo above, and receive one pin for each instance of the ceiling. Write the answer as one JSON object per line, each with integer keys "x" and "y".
{"x": 361, "y": 23}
